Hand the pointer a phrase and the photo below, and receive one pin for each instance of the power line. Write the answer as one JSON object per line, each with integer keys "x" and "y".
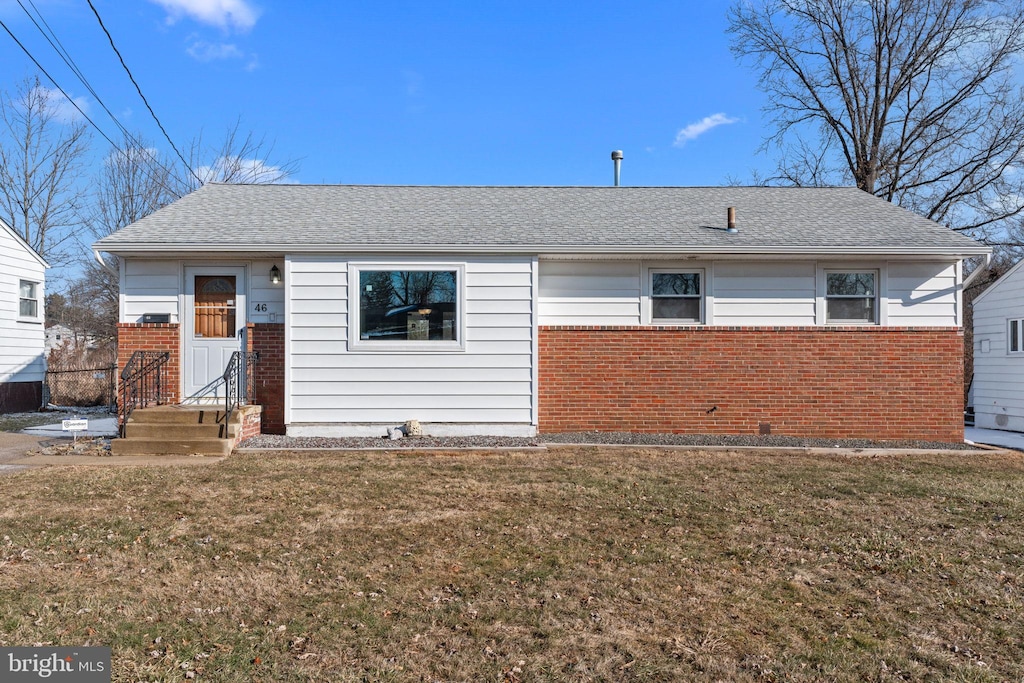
{"x": 57, "y": 85}
{"x": 51, "y": 37}
{"x": 139, "y": 90}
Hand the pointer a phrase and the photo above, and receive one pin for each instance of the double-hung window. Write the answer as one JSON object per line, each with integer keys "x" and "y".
{"x": 28, "y": 299}
{"x": 409, "y": 307}
{"x": 677, "y": 296}
{"x": 1015, "y": 336}
{"x": 851, "y": 296}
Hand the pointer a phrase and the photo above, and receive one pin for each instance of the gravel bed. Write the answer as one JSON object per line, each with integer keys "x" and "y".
{"x": 269, "y": 441}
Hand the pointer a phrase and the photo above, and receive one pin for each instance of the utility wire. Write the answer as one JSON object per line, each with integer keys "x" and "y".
{"x": 56, "y": 85}
{"x": 59, "y": 48}
{"x": 139, "y": 90}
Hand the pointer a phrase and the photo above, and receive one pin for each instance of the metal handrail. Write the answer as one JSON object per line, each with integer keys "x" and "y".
{"x": 239, "y": 381}
{"x": 141, "y": 383}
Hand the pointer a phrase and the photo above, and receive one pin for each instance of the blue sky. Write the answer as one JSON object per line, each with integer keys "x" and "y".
{"x": 444, "y": 92}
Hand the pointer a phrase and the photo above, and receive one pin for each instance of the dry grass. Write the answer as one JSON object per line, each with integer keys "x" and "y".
{"x": 571, "y": 565}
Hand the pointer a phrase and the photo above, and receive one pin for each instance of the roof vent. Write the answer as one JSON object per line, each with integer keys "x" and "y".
{"x": 730, "y": 214}
{"x": 617, "y": 158}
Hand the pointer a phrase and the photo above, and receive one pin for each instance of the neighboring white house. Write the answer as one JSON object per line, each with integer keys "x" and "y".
{"x": 22, "y": 357}
{"x": 518, "y": 310}
{"x": 61, "y": 336}
{"x": 998, "y": 389}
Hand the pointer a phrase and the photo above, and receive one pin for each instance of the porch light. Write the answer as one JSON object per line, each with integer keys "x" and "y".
{"x": 275, "y": 275}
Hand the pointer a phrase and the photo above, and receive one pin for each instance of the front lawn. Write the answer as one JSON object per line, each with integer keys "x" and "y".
{"x": 577, "y": 564}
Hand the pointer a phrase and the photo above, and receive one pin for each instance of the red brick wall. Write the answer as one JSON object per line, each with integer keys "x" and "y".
{"x": 268, "y": 340}
{"x": 869, "y": 382}
{"x": 133, "y": 337}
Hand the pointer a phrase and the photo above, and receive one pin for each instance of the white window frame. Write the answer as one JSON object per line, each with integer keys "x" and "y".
{"x": 877, "y": 296}
{"x": 681, "y": 270}
{"x": 1019, "y": 324}
{"x": 36, "y": 297}
{"x": 406, "y": 345}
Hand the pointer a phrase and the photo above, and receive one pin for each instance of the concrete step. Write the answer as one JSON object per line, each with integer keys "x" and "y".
{"x": 171, "y": 446}
{"x": 174, "y": 430}
{"x": 178, "y": 415}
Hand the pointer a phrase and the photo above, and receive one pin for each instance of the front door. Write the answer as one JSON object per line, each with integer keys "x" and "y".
{"x": 214, "y": 324}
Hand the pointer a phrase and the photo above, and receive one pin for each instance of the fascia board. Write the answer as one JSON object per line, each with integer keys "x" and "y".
{"x": 542, "y": 249}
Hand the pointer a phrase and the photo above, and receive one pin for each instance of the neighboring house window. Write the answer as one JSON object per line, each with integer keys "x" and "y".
{"x": 409, "y": 305}
{"x": 851, "y": 297}
{"x": 28, "y": 299}
{"x": 676, "y": 296}
{"x": 1016, "y": 336}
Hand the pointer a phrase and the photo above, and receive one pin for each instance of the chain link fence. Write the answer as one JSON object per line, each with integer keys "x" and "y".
{"x": 81, "y": 388}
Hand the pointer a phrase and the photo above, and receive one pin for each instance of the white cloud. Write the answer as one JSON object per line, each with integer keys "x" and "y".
{"x": 240, "y": 170}
{"x": 237, "y": 14}
{"x": 60, "y": 107}
{"x": 695, "y": 130}
{"x": 207, "y": 52}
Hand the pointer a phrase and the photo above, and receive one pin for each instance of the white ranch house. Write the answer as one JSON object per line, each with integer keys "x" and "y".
{"x": 518, "y": 310}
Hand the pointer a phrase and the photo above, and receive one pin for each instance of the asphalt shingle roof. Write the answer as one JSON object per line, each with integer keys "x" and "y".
{"x": 542, "y": 219}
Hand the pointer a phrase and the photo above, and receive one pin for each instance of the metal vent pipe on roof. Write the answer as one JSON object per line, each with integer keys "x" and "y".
{"x": 730, "y": 215}
{"x": 617, "y": 158}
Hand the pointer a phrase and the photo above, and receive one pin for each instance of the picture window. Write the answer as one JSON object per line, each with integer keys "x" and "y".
{"x": 409, "y": 305}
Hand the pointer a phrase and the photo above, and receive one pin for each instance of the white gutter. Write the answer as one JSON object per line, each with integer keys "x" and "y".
{"x": 977, "y": 271}
{"x": 547, "y": 249}
{"x": 103, "y": 264}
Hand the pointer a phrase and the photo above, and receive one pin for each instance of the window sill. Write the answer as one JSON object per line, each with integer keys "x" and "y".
{"x": 368, "y": 346}
{"x": 29, "y": 321}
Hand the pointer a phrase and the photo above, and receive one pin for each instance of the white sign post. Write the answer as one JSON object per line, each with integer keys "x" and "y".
{"x": 75, "y": 426}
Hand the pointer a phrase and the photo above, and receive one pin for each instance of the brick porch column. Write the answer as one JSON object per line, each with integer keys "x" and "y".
{"x": 132, "y": 337}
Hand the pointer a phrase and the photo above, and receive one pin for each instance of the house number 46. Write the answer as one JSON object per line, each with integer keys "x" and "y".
{"x": 261, "y": 308}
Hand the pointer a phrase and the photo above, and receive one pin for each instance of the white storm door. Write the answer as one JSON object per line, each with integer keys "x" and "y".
{"x": 214, "y": 322}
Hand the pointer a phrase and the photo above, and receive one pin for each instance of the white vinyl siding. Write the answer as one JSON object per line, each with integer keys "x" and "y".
{"x": 998, "y": 388}
{"x": 266, "y": 300}
{"x": 152, "y": 286}
{"x": 923, "y": 294}
{"x": 22, "y": 339}
{"x": 491, "y": 381}
{"x": 589, "y": 293}
{"x": 767, "y": 293}
{"x": 747, "y": 293}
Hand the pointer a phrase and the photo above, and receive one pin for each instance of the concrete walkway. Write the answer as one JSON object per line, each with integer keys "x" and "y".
{"x": 995, "y": 437}
{"x": 14, "y": 447}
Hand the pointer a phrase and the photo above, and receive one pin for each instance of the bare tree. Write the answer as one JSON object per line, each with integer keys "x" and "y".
{"x": 238, "y": 158}
{"x": 136, "y": 181}
{"x": 133, "y": 182}
{"x": 42, "y": 163}
{"x": 914, "y": 101}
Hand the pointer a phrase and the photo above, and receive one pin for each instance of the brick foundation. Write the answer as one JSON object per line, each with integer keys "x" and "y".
{"x": 839, "y": 382}
{"x": 132, "y": 337}
{"x": 268, "y": 340}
